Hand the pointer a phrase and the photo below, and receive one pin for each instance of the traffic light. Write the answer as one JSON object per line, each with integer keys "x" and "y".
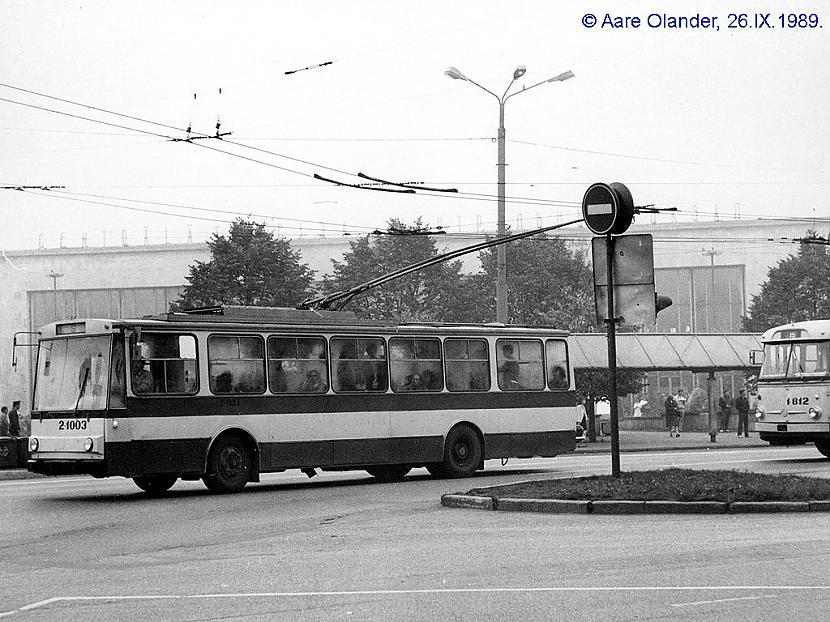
{"x": 660, "y": 303}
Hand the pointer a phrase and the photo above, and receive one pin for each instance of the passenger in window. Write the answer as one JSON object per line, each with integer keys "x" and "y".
{"x": 374, "y": 378}
{"x": 224, "y": 382}
{"x": 142, "y": 378}
{"x": 558, "y": 378}
{"x": 345, "y": 373}
{"x": 413, "y": 382}
{"x": 279, "y": 384}
{"x": 312, "y": 383}
{"x": 508, "y": 369}
{"x": 430, "y": 380}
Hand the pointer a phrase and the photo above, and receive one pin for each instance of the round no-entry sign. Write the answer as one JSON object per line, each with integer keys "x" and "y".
{"x": 608, "y": 208}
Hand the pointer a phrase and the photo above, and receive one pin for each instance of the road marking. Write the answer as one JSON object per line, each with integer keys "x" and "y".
{"x": 470, "y": 590}
{"x": 720, "y": 600}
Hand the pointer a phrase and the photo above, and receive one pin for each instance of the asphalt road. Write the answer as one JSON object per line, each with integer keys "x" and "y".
{"x": 341, "y": 547}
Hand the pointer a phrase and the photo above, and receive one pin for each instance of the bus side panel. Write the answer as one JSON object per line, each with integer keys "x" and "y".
{"x": 157, "y": 457}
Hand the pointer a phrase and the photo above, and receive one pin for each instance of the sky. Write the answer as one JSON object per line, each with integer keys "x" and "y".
{"x": 96, "y": 99}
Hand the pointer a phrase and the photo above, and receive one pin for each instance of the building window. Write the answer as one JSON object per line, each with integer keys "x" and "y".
{"x": 359, "y": 364}
{"x": 237, "y": 364}
{"x": 467, "y": 364}
{"x": 297, "y": 365}
{"x": 415, "y": 364}
{"x": 519, "y": 363}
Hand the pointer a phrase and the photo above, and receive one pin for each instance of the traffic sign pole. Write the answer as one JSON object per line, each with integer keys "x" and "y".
{"x": 611, "y": 322}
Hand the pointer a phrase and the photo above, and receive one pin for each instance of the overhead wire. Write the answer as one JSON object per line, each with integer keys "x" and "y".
{"x": 460, "y": 195}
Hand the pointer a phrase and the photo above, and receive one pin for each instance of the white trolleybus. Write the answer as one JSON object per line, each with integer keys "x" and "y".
{"x": 227, "y": 395}
{"x": 794, "y": 385}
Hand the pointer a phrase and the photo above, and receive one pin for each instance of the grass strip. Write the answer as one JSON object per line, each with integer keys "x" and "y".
{"x": 669, "y": 485}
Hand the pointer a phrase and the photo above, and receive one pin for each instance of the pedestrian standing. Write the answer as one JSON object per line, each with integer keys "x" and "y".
{"x": 670, "y": 406}
{"x": 725, "y": 406}
{"x": 4, "y": 421}
{"x": 680, "y": 399}
{"x": 742, "y": 406}
{"x": 14, "y": 419}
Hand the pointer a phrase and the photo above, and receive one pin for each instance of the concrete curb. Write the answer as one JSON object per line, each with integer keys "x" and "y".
{"x": 583, "y": 506}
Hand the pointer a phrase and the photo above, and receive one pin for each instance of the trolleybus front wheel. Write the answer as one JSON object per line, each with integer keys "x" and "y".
{"x": 229, "y": 465}
{"x": 389, "y": 472}
{"x": 155, "y": 485}
{"x": 824, "y": 448}
{"x": 462, "y": 453}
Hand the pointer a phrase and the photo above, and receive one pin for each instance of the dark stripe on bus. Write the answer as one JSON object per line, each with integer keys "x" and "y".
{"x": 266, "y": 405}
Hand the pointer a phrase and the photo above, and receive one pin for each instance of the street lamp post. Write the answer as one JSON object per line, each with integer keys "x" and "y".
{"x": 55, "y": 276}
{"x": 501, "y": 250}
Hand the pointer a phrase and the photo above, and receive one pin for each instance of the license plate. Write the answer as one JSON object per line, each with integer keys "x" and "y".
{"x": 782, "y": 427}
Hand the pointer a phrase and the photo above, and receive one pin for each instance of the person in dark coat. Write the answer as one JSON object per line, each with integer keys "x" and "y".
{"x": 725, "y": 406}
{"x": 672, "y": 415}
{"x": 14, "y": 419}
{"x": 742, "y": 406}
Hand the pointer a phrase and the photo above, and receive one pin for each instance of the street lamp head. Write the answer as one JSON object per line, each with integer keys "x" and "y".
{"x": 519, "y": 72}
{"x": 562, "y": 76}
{"x": 453, "y": 73}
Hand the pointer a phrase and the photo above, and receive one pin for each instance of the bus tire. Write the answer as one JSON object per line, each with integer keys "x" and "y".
{"x": 824, "y": 448}
{"x": 389, "y": 472}
{"x": 228, "y": 466}
{"x": 155, "y": 485}
{"x": 462, "y": 453}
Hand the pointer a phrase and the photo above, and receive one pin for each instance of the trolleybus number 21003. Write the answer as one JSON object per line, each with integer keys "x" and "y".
{"x": 224, "y": 398}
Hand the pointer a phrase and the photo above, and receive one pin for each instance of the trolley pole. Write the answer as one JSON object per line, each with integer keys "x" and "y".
{"x": 611, "y": 322}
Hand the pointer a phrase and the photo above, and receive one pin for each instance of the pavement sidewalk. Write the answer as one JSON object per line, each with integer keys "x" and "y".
{"x": 629, "y": 442}
{"x": 653, "y": 440}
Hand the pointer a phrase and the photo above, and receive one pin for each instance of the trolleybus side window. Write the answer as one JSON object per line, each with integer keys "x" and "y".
{"x": 467, "y": 364}
{"x": 519, "y": 363}
{"x": 359, "y": 364}
{"x": 164, "y": 363}
{"x": 556, "y": 357}
{"x": 415, "y": 364}
{"x": 237, "y": 364}
{"x": 297, "y": 364}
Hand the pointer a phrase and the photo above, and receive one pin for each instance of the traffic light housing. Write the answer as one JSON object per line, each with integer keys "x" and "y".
{"x": 661, "y": 302}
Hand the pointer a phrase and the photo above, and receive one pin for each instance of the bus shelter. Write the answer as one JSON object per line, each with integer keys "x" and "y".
{"x": 653, "y": 352}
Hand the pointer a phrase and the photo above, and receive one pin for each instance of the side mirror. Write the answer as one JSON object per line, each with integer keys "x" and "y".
{"x": 756, "y": 357}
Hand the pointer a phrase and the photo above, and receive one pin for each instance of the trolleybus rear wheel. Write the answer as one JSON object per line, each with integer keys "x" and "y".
{"x": 389, "y": 472}
{"x": 229, "y": 465}
{"x": 824, "y": 447}
{"x": 155, "y": 485}
{"x": 462, "y": 453}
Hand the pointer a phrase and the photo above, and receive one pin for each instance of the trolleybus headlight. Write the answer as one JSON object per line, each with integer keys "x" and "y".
{"x": 814, "y": 412}
{"x": 88, "y": 444}
{"x": 33, "y": 444}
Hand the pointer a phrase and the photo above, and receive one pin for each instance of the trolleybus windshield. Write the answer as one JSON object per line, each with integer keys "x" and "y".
{"x": 801, "y": 359}
{"x": 72, "y": 374}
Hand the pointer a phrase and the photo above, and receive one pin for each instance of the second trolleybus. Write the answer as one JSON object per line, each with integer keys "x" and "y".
{"x": 794, "y": 385}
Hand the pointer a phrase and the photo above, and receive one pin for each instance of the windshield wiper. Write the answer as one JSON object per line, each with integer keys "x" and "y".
{"x": 81, "y": 393}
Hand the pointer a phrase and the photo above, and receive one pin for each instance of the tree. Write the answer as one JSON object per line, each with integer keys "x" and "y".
{"x": 796, "y": 288}
{"x": 548, "y": 283}
{"x": 248, "y": 267}
{"x": 425, "y": 295}
{"x": 594, "y": 385}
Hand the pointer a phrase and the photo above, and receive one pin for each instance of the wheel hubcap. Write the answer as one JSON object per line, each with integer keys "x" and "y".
{"x": 231, "y": 463}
